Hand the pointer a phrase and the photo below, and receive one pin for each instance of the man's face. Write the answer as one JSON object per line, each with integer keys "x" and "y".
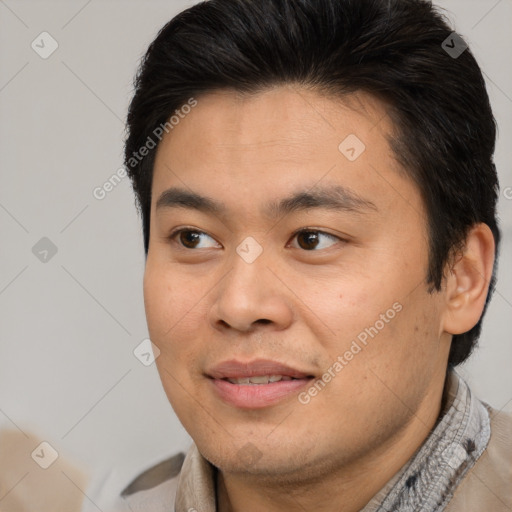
{"x": 316, "y": 255}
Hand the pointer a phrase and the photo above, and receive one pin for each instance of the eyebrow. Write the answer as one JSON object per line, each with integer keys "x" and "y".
{"x": 337, "y": 198}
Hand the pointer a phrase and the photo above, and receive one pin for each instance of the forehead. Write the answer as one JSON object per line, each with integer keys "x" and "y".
{"x": 282, "y": 116}
{"x": 240, "y": 145}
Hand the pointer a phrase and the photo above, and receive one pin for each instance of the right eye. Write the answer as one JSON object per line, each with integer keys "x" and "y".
{"x": 191, "y": 238}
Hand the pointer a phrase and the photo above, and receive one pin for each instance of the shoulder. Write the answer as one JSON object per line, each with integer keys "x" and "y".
{"x": 34, "y": 476}
{"x": 487, "y": 484}
{"x": 153, "y": 477}
{"x": 154, "y": 489}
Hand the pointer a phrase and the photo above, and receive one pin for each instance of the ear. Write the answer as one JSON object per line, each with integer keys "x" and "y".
{"x": 467, "y": 281}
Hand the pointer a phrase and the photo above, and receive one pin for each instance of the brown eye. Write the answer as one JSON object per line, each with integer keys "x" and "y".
{"x": 192, "y": 239}
{"x": 312, "y": 239}
{"x": 189, "y": 238}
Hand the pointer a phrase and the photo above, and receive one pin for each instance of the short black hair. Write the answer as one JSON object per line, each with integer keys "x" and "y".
{"x": 396, "y": 50}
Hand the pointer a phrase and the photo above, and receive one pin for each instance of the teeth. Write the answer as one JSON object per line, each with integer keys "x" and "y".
{"x": 239, "y": 381}
{"x": 260, "y": 379}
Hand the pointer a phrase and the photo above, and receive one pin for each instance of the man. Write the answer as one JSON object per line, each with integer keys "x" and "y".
{"x": 318, "y": 196}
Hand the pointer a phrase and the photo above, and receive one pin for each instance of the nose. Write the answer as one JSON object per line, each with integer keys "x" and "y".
{"x": 251, "y": 295}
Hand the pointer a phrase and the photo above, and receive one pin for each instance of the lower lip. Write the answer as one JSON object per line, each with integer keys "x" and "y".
{"x": 256, "y": 396}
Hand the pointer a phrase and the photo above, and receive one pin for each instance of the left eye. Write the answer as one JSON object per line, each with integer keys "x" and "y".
{"x": 311, "y": 239}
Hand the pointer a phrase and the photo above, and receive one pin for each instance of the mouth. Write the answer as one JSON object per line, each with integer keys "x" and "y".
{"x": 260, "y": 379}
{"x": 256, "y": 384}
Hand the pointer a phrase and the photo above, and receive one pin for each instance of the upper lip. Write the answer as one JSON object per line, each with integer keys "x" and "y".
{"x": 234, "y": 369}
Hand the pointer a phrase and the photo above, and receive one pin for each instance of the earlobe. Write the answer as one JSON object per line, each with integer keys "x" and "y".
{"x": 467, "y": 281}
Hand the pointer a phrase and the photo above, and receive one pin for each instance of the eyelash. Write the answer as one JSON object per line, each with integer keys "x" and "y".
{"x": 178, "y": 231}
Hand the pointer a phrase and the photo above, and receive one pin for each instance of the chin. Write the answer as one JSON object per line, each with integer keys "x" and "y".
{"x": 252, "y": 457}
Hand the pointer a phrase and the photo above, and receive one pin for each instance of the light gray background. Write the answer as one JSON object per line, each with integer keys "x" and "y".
{"x": 69, "y": 326}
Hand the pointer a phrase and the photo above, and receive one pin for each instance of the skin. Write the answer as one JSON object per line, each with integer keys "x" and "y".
{"x": 301, "y": 304}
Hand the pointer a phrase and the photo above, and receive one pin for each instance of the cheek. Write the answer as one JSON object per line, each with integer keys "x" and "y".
{"x": 393, "y": 326}
{"x": 348, "y": 308}
{"x": 175, "y": 314}
{"x": 408, "y": 341}
{"x": 168, "y": 300}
